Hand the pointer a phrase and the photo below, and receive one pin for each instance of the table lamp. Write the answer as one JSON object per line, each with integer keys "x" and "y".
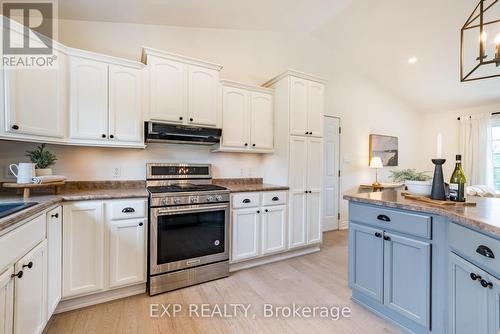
{"x": 376, "y": 163}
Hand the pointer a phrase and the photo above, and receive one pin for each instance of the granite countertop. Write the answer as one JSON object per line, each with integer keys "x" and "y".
{"x": 73, "y": 191}
{"x": 240, "y": 185}
{"x": 485, "y": 216}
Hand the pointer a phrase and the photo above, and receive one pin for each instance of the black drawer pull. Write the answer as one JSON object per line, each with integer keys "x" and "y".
{"x": 128, "y": 210}
{"x": 474, "y": 277}
{"x": 383, "y": 218}
{"x": 275, "y": 198}
{"x": 140, "y": 224}
{"x": 55, "y": 215}
{"x": 485, "y": 251}
{"x": 246, "y": 201}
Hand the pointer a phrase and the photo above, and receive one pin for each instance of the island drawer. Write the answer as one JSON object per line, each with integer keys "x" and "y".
{"x": 475, "y": 246}
{"x": 416, "y": 224}
{"x": 246, "y": 200}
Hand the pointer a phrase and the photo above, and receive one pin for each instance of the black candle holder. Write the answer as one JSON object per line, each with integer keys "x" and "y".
{"x": 438, "y": 190}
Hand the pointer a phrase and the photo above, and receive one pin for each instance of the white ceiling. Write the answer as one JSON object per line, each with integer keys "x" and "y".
{"x": 375, "y": 37}
{"x": 275, "y": 15}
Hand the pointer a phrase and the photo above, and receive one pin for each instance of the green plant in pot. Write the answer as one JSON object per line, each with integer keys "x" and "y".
{"x": 43, "y": 160}
{"x": 418, "y": 183}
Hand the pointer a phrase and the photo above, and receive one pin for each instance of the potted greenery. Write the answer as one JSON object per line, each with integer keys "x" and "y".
{"x": 418, "y": 183}
{"x": 42, "y": 159}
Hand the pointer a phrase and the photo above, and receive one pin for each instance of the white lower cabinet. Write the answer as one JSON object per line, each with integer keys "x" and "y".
{"x": 127, "y": 250}
{"x": 54, "y": 259}
{"x": 101, "y": 252}
{"x": 83, "y": 248}
{"x": 30, "y": 291}
{"x": 258, "y": 230}
{"x": 6, "y": 301}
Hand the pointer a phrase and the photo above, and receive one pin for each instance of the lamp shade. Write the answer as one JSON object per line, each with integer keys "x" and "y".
{"x": 376, "y": 162}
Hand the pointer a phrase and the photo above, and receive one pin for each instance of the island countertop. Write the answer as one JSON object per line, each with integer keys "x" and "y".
{"x": 485, "y": 216}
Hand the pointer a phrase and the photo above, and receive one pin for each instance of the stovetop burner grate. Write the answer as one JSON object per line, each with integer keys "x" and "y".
{"x": 184, "y": 187}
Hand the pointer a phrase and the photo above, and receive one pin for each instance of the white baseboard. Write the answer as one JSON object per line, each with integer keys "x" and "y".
{"x": 101, "y": 297}
{"x": 273, "y": 258}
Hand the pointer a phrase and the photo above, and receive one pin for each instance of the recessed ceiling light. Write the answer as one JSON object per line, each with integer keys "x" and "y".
{"x": 412, "y": 60}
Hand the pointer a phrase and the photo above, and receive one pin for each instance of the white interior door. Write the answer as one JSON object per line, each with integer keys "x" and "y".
{"x": 331, "y": 174}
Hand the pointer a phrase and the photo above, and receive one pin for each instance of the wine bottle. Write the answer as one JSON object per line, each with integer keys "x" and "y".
{"x": 457, "y": 182}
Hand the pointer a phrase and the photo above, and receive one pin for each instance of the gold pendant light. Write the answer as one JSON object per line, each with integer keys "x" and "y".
{"x": 480, "y": 42}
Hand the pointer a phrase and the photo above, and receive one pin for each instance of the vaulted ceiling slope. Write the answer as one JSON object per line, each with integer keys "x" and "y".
{"x": 378, "y": 38}
{"x": 273, "y": 15}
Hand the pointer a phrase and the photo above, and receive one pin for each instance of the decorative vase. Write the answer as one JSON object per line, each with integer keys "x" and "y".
{"x": 422, "y": 188}
{"x": 43, "y": 171}
{"x": 438, "y": 190}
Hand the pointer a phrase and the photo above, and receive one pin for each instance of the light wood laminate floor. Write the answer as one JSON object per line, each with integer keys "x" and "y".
{"x": 318, "y": 279}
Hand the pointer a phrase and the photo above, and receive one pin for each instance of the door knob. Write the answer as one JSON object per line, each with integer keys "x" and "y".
{"x": 29, "y": 265}
{"x": 15, "y": 127}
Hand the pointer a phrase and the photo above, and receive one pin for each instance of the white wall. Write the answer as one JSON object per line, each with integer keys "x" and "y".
{"x": 252, "y": 57}
{"x": 447, "y": 124}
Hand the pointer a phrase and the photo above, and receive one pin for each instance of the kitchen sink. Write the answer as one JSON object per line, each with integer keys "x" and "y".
{"x": 10, "y": 208}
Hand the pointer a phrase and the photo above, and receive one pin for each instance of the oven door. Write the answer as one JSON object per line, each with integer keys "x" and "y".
{"x": 183, "y": 237}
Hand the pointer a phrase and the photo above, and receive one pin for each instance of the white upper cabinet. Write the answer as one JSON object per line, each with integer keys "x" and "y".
{"x": 262, "y": 121}
{"x": 166, "y": 89}
{"x": 247, "y": 119}
{"x": 35, "y": 101}
{"x": 88, "y": 99}
{"x": 125, "y": 104}
{"x": 182, "y": 90}
{"x": 105, "y": 103}
{"x": 316, "y": 109}
{"x": 203, "y": 86}
{"x": 298, "y": 106}
{"x": 237, "y": 132}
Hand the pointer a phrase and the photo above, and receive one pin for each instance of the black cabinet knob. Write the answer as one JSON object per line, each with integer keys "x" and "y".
{"x": 55, "y": 215}
{"x": 180, "y": 118}
{"x": 310, "y": 133}
{"x": 387, "y": 238}
{"x": 378, "y": 234}
{"x": 474, "y": 277}
{"x": 253, "y": 145}
{"x": 266, "y": 210}
{"x": 18, "y": 275}
{"x": 305, "y": 191}
{"x": 103, "y": 135}
{"x": 29, "y": 265}
{"x": 246, "y": 144}
{"x": 486, "y": 284}
{"x": 140, "y": 224}
{"x": 258, "y": 211}
{"x": 191, "y": 119}
{"x": 15, "y": 127}
{"x": 111, "y": 136}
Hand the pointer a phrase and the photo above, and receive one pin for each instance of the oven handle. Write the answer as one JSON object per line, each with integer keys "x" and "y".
{"x": 161, "y": 212}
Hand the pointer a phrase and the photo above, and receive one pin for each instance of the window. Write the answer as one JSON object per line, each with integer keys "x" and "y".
{"x": 495, "y": 134}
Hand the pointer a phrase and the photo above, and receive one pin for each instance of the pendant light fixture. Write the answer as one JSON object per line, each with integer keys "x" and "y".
{"x": 480, "y": 42}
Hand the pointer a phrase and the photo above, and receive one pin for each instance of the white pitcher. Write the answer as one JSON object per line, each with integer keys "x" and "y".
{"x": 25, "y": 171}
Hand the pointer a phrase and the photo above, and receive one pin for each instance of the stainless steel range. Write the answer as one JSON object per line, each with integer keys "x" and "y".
{"x": 189, "y": 226}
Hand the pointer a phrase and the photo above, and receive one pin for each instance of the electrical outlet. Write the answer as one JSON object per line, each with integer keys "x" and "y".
{"x": 117, "y": 172}
{"x": 8, "y": 174}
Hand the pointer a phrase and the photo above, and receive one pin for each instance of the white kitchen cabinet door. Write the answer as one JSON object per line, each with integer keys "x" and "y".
{"x": 125, "y": 104}
{"x": 297, "y": 224}
{"x": 203, "y": 88}
{"x": 167, "y": 90}
{"x": 127, "y": 252}
{"x": 298, "y": 106}
{"x": 235, "y": 122}
{"x": 316, "y": 109}
{"x": 298, "y": 163}
{"x": 30, "y": 291}
{"x": 35, "y": 100}
{"x": 313, "y": 209}
{"x": 88, "y": 99}
{"x": 273, "y": 229}
{"x": 54, "y": 259}
{"x": 6, "y": 301}
{"x": 314, "y": 164}
{"x": 262, "y": 125}
{"x": 83, "y": 248}
{"x": 245, "y": 243}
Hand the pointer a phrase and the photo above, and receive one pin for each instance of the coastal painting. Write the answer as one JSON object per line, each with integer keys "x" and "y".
{"x": 385, "y": 147}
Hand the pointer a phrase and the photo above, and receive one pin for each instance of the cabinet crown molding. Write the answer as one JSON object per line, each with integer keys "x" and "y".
{"x": 146, "y": 51}
{"x": 295, "y": 73}
{"x": 247, "y": 86}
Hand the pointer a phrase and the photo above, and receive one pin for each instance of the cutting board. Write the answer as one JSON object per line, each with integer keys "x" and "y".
{"x": 435, "y": 202}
